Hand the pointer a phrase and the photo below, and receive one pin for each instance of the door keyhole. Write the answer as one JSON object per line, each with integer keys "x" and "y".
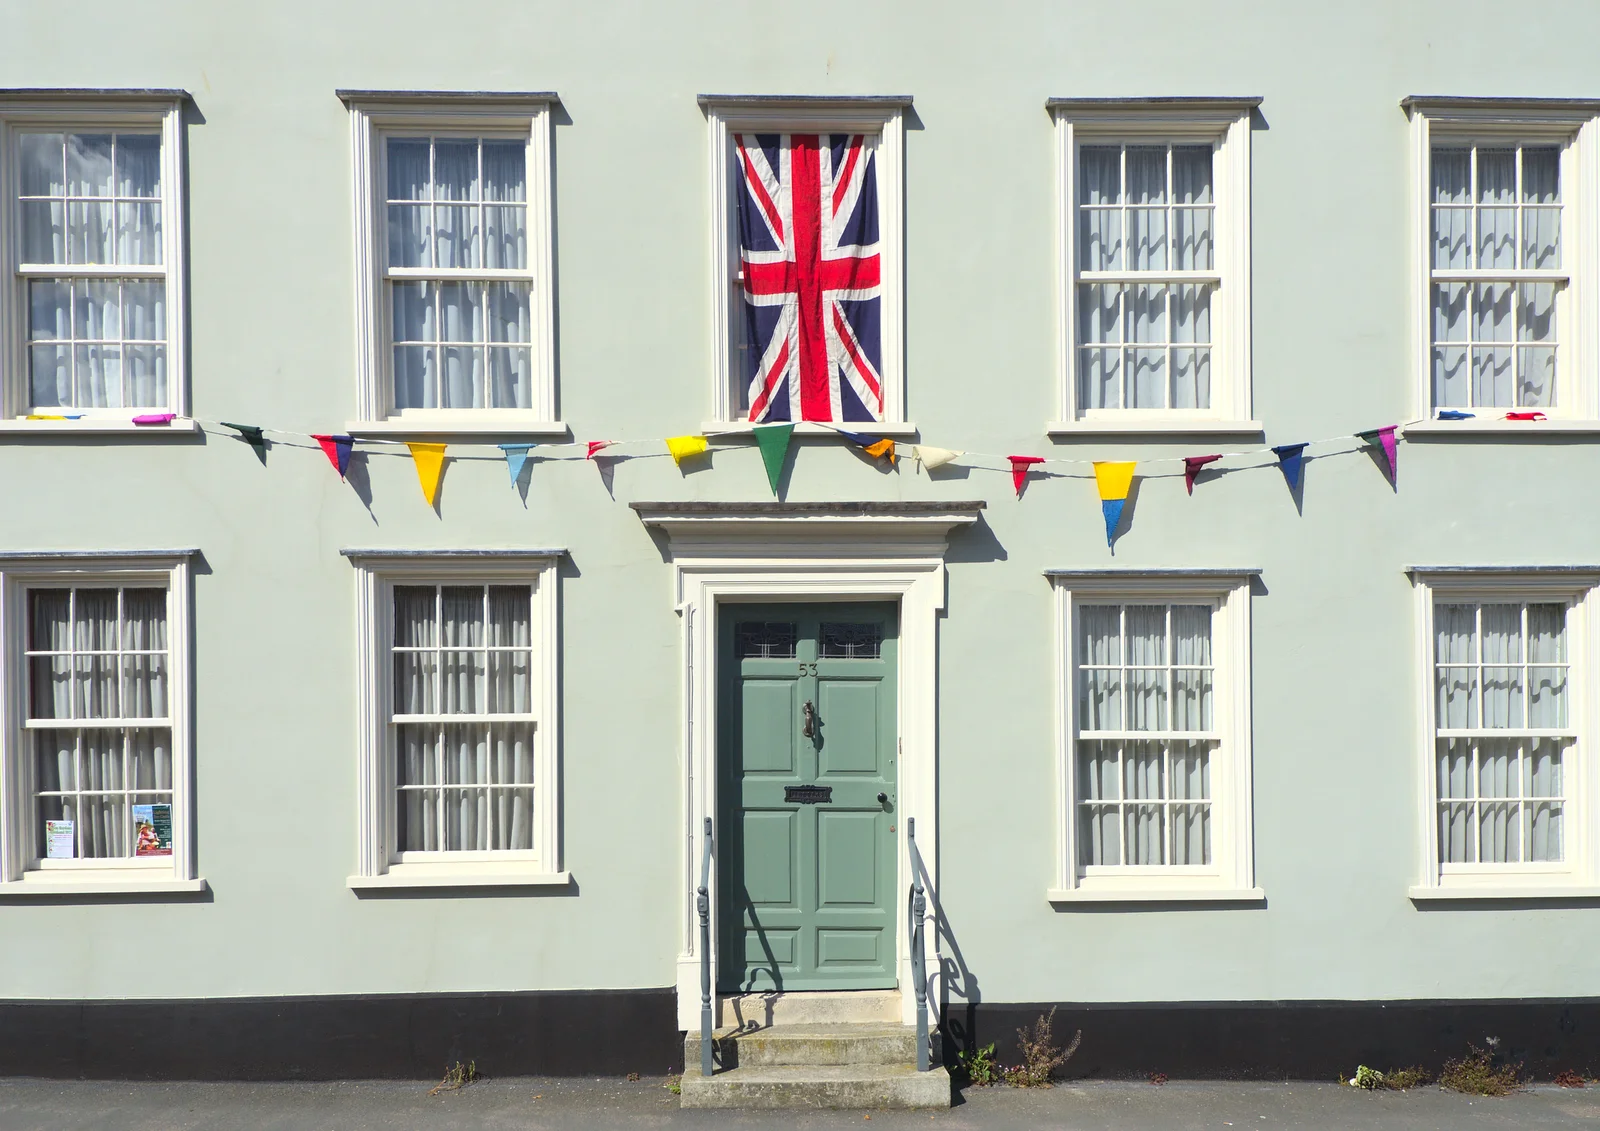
{"x": 808, "y": 728}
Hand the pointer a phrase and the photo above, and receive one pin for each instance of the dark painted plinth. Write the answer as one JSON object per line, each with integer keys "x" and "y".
{"x": 406, "y": 1037}
{"x": 1291, "y": 1040}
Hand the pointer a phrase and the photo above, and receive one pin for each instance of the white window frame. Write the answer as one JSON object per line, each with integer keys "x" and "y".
{"x": 20, "y": 873}
{"x": 1579, "y": 873}
{"x": 379, "y": 863}
{"x": 1574, "y": 125}
{"x": 375, "y": 116}
{"x": 1225, "y": 124}
{"x": 727, "y": 115}
{"x": 1231, "y": 874}
{"x": 93, "y": 111}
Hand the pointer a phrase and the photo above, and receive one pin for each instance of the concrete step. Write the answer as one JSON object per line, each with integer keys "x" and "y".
{"x": 741, "y": 1011}
{"x": 807, "y": 1044}
{"x": 818, "y": 1086}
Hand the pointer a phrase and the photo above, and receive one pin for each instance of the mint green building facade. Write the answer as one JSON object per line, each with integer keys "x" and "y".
{"x": 1334, "y": 876}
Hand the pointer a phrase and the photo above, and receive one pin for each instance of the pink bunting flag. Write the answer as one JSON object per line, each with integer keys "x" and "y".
{"x": 1192, "y": 466}
{"x": 337, "y": 449}
{"x": 1019, "y": 470}
{"x": 156, "y": 418}
{"x": 598, "y": 445}
{"x": 1383, "y": 438}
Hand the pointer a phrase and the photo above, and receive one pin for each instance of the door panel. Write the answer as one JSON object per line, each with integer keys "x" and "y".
{"x": 844, "y": 840}
{"x": 850, "y": 741}
{"x": 768, "y": 721}
{"x": 806, "y": 746}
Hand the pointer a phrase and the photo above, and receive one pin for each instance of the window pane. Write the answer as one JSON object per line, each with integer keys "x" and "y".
{"x": 457, "y": 243}
{"x": 415, "y": 377}
{"x": 505, "y": 170}
{"x": 88, "y": 164}
{"x": 511, "y": 378}
{"x": 1458, "y": 698}
{"x": 49, "y": 309}
{"x": 1191, "y": 174}
{"x": 1099, "y": 312}
{"x": 43, "y": 232}
{"x": 410, "y": 236}
{"x": 96, "y": 311}
{"x": 144, "y": 310}
{"x": 1099, "y": 378}
{"x": 89, "y": 231}
{"x": 1497, "y": 218}
{"x": 50, "y": 376}
{"x": 413, "y": 312}
{"x": 43, "y": 169}
{"x": 1148, "y": 236}
{"x": 461, "y": 312}
{"x": 1452, "y": 176}
{"x": 1547, "y": 636}
{"x": 455, "y": 170}
{"x": 506, "y": 236}
{"x": 1142, "y": 832}
{"x": 97, "y": 373}
{"x": 1492, "y": 377}
{"x": 1450, "y": 378}
{"x": 508, "y": 312}
{"x": 1450, "y": 312}
{"x": 1100, "y": 835}
{"x": 408, "y": 169}
{"x": 462, "y": 377}
{"x": 1099, "y": 174}
{"x": 139, "y": 234}
{"x": 138, "y": 161}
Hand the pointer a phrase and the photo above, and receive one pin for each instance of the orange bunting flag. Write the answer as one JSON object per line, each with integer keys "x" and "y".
{"x": 884, "y": 447}
{"x": 429, "y": 459}
{"x": 1019, "y": 470}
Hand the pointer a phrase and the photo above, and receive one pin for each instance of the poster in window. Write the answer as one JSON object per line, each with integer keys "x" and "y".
{"x": 152, "y": 830}
{"x": 59, "y": 842}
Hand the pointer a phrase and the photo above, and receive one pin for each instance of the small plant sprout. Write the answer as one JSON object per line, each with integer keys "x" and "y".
{"x": 980, "y": 1066}
{"x": 1482, "y": 1073}
{"x": 1041, "y": 1056}
{"x": 456, "y": 1077}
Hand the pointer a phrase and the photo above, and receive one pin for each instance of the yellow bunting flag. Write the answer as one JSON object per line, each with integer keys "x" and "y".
{"x": 884, "y": 447}
{"x": 682, "y": 447}
{"x": 1114, "y": 480}
{"x": 429, "y": 459}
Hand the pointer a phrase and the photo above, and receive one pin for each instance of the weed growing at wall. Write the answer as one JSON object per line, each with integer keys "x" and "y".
{"x": 1481, "y": 1073}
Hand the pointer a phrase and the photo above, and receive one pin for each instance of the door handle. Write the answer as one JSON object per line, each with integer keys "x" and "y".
{"x": 808, "y": 728}
{"x": 883, "y": 799}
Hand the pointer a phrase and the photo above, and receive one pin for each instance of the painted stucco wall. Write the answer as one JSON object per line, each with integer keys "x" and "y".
{"x": 271, "y": 319}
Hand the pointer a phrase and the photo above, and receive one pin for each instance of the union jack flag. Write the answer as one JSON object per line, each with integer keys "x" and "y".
{"x": 808, "y": 245}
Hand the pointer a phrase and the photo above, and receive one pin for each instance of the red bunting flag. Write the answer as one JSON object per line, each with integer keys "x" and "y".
{"x": 1192, "y": 466}
{"x": 597, "y": 445}
{"x": 337, "y": 449}
{"x": 1509, "y": 416}
{"x": 1019, "y": 470}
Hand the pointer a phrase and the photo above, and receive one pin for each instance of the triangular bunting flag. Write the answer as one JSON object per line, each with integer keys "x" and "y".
{"x": 871, "y": 445}
{"x": 337, "y": 449}
{"x": 429, "y": 459}
{"x": 1113, "y": 481}
{"x": 156, "y": 418}
{"x": 1453, "y": 414}
{"x": 597, "y": 445}
{"x": 1019, "y": 470}
{"x": 251, "y": 435}
{"x": 931, "y": 457}
{"x": 516, "y": 459}
{"x": 1525, "y": 416}
{"x": 1192, "y": 466}
{"x": 884, "y": 447}
{"x": 1383, "y": 439}
{"x": 1291, "y": 458}
{"x": 53, "y": 416}
{"x": 773, "y": 440}
{"x": 682, "y": 447}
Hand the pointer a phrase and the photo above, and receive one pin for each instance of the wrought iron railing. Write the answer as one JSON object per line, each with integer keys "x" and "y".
{"x": 703, "y": 906}
{"x": 918, "y": 901}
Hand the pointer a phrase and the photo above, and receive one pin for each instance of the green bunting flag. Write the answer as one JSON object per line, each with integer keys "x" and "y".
{"x": 251, "y": 435}
{"x": 773, "y": 440}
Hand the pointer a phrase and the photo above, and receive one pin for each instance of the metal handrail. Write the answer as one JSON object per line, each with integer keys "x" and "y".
{"x": 919, "y": 973}
{"x": 703, "y": 906}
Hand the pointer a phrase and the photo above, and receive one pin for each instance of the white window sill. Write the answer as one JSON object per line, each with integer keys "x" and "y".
{"x": 61, "y": 883}
{"x": 1158, "y": 895}
{"x": 1463, "y": 893}
{"x": 1492, "y": 426}
{"x": 1135, "y": 426}
{"x": 444, "y": 425}
{"x": 716, "y": 428}
{"x": 98, "y": 427}
{"x": 400, "y": 878}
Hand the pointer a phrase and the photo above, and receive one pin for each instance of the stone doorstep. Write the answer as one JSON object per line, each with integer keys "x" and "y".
{"x": 764, "y": 1010}
{"x": 806, "y": 1044}
{"x": 818, "y": 1086}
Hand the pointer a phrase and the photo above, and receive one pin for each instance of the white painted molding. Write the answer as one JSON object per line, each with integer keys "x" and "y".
{"x": 96, "y": 110}
{"x": 881, "y": 117}
{"x": 377, "y": 572}
{"x": 1231, "y": 874}
{"x": 731, "y": 553}
{"x": 1225, "y": 124}
{"x": 374, "y": 115}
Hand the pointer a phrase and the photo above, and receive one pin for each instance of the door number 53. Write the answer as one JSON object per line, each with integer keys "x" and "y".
{"x": 808, "y": 669}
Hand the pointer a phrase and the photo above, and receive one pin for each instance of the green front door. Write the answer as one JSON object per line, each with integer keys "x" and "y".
{"x": 806, "y": 752}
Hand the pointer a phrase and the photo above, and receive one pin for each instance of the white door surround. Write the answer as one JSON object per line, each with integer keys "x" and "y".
{"x": 725, "y": 553}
